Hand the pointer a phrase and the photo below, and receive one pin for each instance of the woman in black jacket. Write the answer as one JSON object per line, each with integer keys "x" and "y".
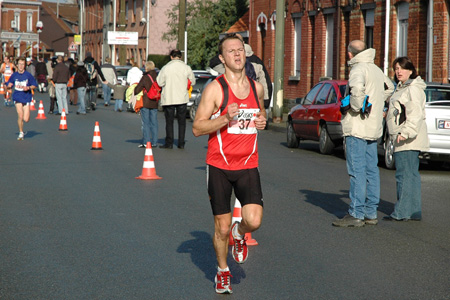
{"x": 79, "y": 83}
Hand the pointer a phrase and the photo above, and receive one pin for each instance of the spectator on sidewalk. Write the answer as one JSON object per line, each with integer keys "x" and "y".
{"x": 61, "y": 75}
{"x": 109, "y": 71}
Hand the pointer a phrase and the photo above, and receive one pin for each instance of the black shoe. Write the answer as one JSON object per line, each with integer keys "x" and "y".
{"x": 389, "y": 218}
{"x": 93, "y": 106}
{"x": 180, "y": 146}
{"x": 165, "y": 146}
{"x": 50, "y": 112}
{"x": 141, "y": 146}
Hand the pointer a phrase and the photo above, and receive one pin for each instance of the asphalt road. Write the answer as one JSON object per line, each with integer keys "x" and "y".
{"x": 76, "y": 224}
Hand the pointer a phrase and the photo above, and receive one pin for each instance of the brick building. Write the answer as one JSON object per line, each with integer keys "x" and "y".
{"x": 60, "y": 26}
{"x": 146, "y": 17}
{"x": 18, "y": 34}
{"x": 317, "y": 33}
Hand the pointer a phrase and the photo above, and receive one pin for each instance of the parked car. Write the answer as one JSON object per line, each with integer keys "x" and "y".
{"x": 317, "y": 116}
{"x": 202, "y": 78}
{"x": 437, "y": 111}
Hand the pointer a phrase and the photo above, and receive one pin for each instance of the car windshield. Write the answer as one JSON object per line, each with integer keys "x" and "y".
{"x": 200, "y": 82}
{"x": 122, "y": 72}
{"x": 437, "y": 94}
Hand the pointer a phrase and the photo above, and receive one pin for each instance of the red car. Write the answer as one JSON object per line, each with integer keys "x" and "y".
{"x": 317, "y": 116}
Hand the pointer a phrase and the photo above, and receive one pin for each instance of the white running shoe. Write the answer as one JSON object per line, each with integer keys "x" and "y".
{"x": 20, "y": 137}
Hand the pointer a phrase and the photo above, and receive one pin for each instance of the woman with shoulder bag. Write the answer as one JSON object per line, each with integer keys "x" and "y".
{"x": 80, "y": 83}
{"x": 149, "y": 111}
{"x": 408, "y": 130}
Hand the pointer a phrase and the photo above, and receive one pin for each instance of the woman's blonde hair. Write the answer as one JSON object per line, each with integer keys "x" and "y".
{"x": 149, "y": 65}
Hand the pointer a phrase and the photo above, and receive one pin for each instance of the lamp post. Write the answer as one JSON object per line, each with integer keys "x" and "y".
{"x": 39, "y": 27}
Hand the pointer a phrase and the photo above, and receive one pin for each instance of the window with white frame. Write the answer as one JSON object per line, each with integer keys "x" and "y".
{"x": 402, "y": 28}
{"x": 144, "y": 9}
{"x": 17, "y": 20}
{"x": 30, "y": 22}
{"x": 369, "y": 19}
{"x": 329, "y": 45}
{"x": 297, "y": 44}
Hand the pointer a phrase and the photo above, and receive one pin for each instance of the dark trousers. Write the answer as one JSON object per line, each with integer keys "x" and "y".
{"x": 169, "y": 112}
{"x": 52, "y": 103}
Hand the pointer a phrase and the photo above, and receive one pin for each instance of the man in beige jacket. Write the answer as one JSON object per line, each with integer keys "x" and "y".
{"x": 173, "y": 78}
{"x": 361, "y": 131}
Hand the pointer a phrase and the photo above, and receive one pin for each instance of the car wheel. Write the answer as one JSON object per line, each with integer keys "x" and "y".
{"x": 389, "y": 154}
{"x": 326, "y": 145}
{"x": 192, "y": 112}
{"x": 292, "y": 139}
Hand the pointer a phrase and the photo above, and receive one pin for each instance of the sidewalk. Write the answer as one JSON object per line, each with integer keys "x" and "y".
{"x": 278, "y": 127}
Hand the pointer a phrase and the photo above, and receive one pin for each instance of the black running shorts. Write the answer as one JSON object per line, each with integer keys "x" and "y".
{"x": 246, "y": 184}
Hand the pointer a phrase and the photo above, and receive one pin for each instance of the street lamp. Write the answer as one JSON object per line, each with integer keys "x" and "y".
{"x": 39, "y": 27}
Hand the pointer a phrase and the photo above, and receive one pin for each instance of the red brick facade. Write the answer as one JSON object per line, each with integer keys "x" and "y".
{"x": 20, "y": 40}
{"x": 349, "y": 19}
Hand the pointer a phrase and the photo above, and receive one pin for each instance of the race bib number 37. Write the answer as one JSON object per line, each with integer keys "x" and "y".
{"x": 244, "y": 123}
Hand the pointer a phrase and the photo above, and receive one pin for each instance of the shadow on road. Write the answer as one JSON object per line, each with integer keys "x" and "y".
{"x": 335, "y": 204}
{"x": 32, "y": 133}
{"x": 203, "y": 256}
{"x": 134, "y": 141}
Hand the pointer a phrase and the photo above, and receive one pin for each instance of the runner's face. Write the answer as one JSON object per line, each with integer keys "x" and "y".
{"x": 233, "y": 54}
{"x": 21, "y": 66}
{"x": 6, "y": 59}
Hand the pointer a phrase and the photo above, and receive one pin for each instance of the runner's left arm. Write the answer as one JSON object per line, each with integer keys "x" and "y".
{"x": 261, "y": 117}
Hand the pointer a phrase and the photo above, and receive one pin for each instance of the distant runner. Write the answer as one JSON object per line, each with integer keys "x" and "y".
{"x": 23, "y": 83}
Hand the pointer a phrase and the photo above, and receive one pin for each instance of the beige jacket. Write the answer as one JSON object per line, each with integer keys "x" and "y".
{"x": 366, "y": 78}
{"x": 411, "y": 96}
{"x": 173, "y": 78}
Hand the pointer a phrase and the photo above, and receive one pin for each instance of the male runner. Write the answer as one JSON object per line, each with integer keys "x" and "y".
{"x": 23, "y": 83}
{"x": 231, "y": 111}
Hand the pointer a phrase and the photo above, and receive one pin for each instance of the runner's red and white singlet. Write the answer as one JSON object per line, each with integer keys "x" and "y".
{"x": 234, "y": 147}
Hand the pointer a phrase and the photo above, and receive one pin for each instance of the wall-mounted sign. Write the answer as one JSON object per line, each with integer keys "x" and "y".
{"x": 77, "y": 39}
{"x": 122, "y": 38}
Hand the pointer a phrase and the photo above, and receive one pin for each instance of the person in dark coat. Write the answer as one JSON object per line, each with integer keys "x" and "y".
{"x": 61, "y": 76}
{"x": 79, "y": 83}
{"x": 41, "y": 74}
{"x": 150, "y": 109}
{"x": 92, "y": 82}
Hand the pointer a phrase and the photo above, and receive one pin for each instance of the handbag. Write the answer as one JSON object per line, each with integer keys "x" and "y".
{"x": 138, "y": 104}
{"x": 154, "y": 93}
{"x": 71, "y": 81}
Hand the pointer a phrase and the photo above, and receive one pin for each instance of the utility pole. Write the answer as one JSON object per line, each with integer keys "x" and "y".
{"x": 279, "y": 63}
{"x": 122, "y": 22}
{"x": 181, "y": 24}
{"x": 106, "y": 20}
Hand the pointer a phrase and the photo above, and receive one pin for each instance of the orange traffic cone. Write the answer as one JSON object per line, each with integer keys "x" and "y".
{"x": 237, "y": 216}
{"x": 96, "y": 141}
{"x": 41, "y": 114}
{"x": 148, "y": 169}
{"x": 2, "y": 90}
{"x": 32, "y": 104}
{"x": 63, "y": 122}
